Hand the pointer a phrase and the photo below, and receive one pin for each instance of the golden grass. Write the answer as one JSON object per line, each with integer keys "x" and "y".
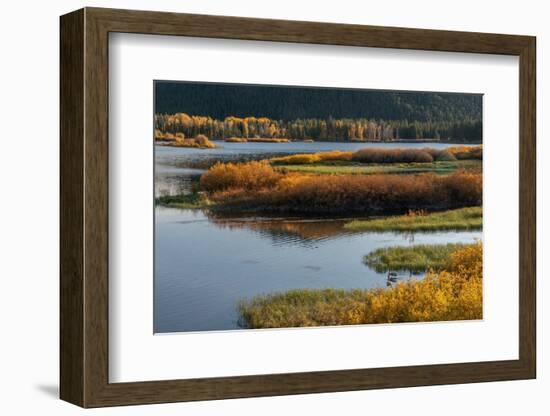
{"x": 452, "y": 294}
{"x": 306, "y": 158}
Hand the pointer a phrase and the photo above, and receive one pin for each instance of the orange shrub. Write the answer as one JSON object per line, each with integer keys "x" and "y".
{"x": 246, "y": 176}
{"x": 202, "y": 141}
{"x": 256, "y": 185}
{"x": 159, "y": 135}
{"x": 335, "y": 155}
{"x": 466, "y": 152}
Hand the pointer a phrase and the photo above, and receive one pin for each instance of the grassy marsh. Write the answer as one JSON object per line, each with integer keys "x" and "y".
{"x": 355, "y": 168}
{"x": 185, "y": 201}
{"x": 470, "y": 218}
{"x": 418, "y": 258}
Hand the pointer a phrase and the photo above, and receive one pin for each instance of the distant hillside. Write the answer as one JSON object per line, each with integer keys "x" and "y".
{"x": 290, "y": 103}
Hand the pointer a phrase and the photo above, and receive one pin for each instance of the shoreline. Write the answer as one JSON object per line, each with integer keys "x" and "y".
{"x": 403, "y": 141}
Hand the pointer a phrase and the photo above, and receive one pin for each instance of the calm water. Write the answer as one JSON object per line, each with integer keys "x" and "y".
{"x": 204, "y": 265}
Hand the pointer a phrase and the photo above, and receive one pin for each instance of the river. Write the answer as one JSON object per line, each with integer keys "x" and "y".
{"x": 205, "y": 264}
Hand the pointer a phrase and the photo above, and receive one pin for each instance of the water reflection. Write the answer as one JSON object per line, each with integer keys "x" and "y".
{"x": 204, "y": 265}
{"x": 282, "y": 230}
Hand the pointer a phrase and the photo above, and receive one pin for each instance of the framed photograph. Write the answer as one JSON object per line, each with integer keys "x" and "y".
{"x": 257, "y": 207}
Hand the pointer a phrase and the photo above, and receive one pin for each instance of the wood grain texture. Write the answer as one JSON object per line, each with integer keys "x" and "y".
{"x": 71, "y": 100}
{"x": 84, "y": 204}
{"x": 527, "y": 207}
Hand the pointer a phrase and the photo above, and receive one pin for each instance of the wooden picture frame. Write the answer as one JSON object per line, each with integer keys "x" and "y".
{"x": 84, "y": 207}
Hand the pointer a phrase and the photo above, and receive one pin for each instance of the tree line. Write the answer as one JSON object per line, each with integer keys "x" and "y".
{"x": 319, "y": 129}
{"x": 289, "y": 103}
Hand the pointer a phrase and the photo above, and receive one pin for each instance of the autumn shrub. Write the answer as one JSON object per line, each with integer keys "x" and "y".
{"x": 382, "y": 156}
{"x": 440, "y": 155}
{"x": 375, "y": 155}
{"x": 257, "y": 186}
{"x": 165, "y": 136}
{"x": 203, "y": 141}
{"x": 464, "y": 186}
{"x": 466, "y": 262}
{"x": 466, "y": 152}
{"x": 199, "y": 142}
{"x": 452, "y": 294}
{"x": 335, "y": 155}
{"x": 158, "y": 134}
{"x": 249, "y": 176}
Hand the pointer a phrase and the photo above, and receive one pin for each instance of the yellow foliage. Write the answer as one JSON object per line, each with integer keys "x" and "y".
{"x": 453, "y": 294}
{"x": 244, "y": 176}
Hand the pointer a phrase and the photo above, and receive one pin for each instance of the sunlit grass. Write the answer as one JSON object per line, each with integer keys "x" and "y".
{"x": 459, "y": 219}
{"x": 354, "y": 168}
{"x": 416, "y": 258}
